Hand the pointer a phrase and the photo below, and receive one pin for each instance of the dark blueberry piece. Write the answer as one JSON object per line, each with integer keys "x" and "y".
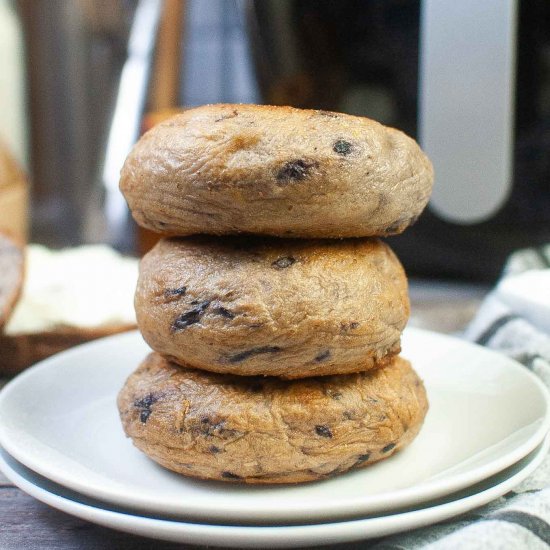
{"x": 170, "y": 292}
{"x": 362, "y": 458}
{"x": 230, "y": 475}
{"x": 333, "y": 394}
{"x": 295, "y": 170}
{"x": 323, "y": 431}
{"x": 233, "y": 114}
{"x": 349, "y": 326}
{"x": 328, "y": 114}
{"x": 342, "y": 147}
{"x": 214, "y": 450}
{"x": 144, "y": 405}
{"x": 146, "y": 401}
{"x": 323, "y": 356}
{"x": 228, "y": 433}
{"x": 284, "y": 262}
{"x": 210, "y": 427}
{"x": 190, "y": 317}
{"x": 224, "y": 313}
{"x": 395, "y": 227}
{"x": 388, "y": 447}
{"x": 238, "y": 357}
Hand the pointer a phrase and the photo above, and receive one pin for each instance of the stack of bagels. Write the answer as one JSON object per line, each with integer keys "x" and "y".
{"x": 274, "y": 312}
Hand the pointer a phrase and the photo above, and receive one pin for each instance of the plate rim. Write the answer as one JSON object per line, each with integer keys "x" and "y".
{"x": 282, "y": 536}
{"x": 317, "y": 510}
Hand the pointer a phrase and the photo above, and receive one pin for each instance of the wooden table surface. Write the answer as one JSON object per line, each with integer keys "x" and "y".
{"x": 26, "y": 523}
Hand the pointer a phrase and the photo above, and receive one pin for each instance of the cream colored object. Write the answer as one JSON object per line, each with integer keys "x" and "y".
{"x": 83, "y": 287}
{"x": 69, "y": 297}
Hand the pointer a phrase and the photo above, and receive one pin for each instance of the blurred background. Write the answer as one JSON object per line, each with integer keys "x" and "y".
{"x": 81, "y": 79}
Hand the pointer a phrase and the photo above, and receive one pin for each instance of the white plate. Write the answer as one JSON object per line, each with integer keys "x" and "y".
{"x": 271, "y": 536}
{"x": 60, "y": 420}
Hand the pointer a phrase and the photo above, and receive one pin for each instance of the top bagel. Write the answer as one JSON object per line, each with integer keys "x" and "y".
{"x": 227, "y": 169}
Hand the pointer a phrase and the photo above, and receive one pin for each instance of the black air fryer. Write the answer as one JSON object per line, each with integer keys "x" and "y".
{"x": 469, "y": 80}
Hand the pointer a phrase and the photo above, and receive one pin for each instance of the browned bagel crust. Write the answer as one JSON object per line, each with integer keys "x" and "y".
{"x": 268, "y": 430}
{"x": 281, "y": 171}
{"x": 278, "y": 307}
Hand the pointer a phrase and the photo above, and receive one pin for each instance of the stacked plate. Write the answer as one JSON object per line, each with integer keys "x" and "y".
{"x": 63, "y": 444}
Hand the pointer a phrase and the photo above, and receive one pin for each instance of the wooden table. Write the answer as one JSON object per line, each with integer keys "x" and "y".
{"x": 28, "y": 524}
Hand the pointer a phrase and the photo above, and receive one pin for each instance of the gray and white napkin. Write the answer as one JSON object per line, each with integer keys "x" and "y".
{"x": 514, "y": 319}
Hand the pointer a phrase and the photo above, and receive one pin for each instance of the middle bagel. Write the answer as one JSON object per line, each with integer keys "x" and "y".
{"x": 280, "y": 307}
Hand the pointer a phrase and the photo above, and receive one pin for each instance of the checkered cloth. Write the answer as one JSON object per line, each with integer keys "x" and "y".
{"x": 520, "y": 519}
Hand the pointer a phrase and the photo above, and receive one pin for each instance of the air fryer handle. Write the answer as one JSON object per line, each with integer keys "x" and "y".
{"x": 467, "y": 76}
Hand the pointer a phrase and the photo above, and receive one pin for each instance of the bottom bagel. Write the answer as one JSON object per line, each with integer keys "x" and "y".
{"x": 268, "y": 430}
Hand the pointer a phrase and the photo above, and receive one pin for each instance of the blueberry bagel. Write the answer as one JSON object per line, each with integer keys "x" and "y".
{"x": 268, "y": 430}
{"x": 281, "y": 171}
{"x": 279, "y": 307}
